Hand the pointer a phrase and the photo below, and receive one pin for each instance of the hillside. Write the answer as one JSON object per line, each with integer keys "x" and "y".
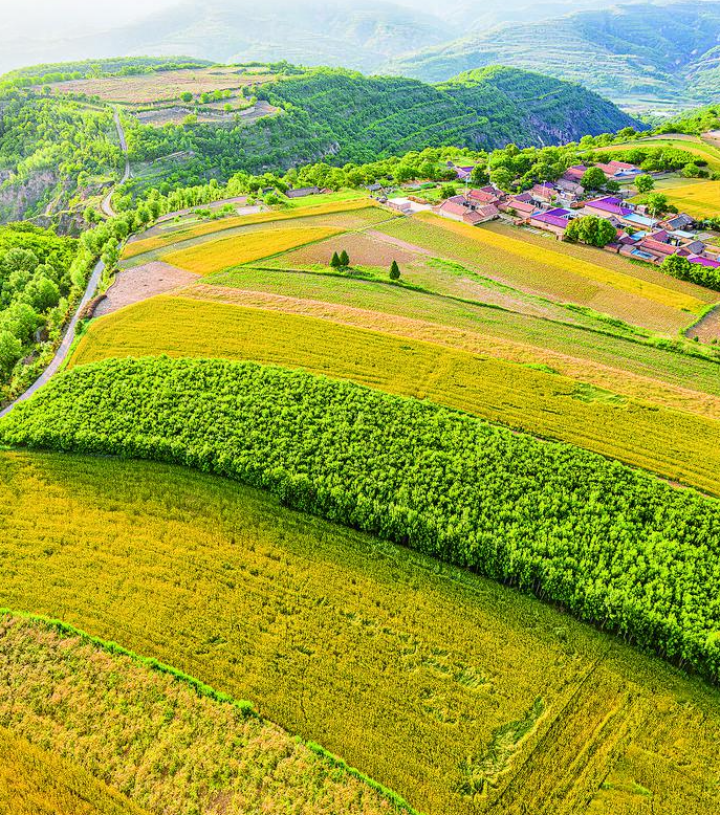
{"x": 343, "y": 116}
{"x": 638, "y": 54}
{"x": 58, "y": 150}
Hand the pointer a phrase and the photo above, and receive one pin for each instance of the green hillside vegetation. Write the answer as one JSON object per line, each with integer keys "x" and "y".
{"x": 169, "y": 741}
{"x": 614, "y": 546}
{"x": 39, "y": 275}
{"x": 636, "y": 54}
{"x": 49, "y": 150}
{"x": 463, "y": 695}
{"x": 345, "y": 117}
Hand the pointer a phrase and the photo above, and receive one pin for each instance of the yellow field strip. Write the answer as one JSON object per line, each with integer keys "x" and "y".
{"x": 677, "y": 445}
{"x": 618, "y": 380}
{"x": 135, "y": 248}
{"x": 549, "y": 257}
{"x": 227, "y": 252}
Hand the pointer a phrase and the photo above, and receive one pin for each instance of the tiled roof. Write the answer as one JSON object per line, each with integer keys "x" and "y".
{"x": 612, "y": 205}
{"x": 659, "y": 248}
{"x": 711, "y": 264}
{"x": 452, "y": 208}
{"x": 483, "y": 196}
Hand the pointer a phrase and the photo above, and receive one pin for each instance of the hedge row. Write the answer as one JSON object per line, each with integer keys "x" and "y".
{"x": 613, "y": 545}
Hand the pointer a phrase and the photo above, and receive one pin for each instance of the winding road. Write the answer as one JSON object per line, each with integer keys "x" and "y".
{"x": 69, "y": 338}
{"x": 106, "y": 205}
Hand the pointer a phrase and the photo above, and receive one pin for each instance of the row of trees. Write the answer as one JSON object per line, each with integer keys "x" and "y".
{"x": 614, "y": 546}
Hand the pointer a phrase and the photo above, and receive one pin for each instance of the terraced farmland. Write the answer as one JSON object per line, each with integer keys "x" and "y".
{"x": 163, "y": 238}
{"x": 673, "y": 443}
{"x": 162, "y": 86}
{"x": 509, "y": 704}
{"x": 636, "y": 294}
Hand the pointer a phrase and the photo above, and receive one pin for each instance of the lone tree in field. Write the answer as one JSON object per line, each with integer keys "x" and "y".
{"x": 344, "y": 259}
{"x": 394, "y": 271}
{"x": 644, "y": 183}
{"x": 335, "y": 262}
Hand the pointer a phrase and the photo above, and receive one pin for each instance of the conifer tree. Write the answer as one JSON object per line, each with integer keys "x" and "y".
{"x": 344, "y": 259}
{"x": 335, "y": 262}
{"x": 394, "y": 271}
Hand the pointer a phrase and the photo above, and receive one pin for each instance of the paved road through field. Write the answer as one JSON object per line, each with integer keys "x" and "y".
{"x": 69, "y": 338}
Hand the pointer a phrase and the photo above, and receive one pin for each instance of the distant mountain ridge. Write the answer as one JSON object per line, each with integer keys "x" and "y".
{"x": 631, "y": 53}
{"x": 360, "y": 35}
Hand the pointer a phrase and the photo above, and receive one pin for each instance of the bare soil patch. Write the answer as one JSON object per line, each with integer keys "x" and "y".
{"x": 707, "y": 329}
{"x": 141, "y": 283}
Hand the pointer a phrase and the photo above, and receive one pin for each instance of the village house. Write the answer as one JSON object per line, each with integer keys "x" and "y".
{"x": 544, "y": 193}
{"x": 469, "y": 210}
{"x": 554, "y": 220}
{"x": 519, "y": 207}
{"x": 303, "y": 192}
{"x": 681, "y": 221}
{"x": 569, "y": 181}
{"x": 619, "y": 170}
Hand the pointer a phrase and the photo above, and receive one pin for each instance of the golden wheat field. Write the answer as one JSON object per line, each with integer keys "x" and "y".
{"x": 640, "y": 296}
{"x": 228, "y": 252}
{"x": 669, "y": 442}
{"x": 165, "y": 744}
{"x": 162, "y": 239}
{"x": 539, "y": 340}
{"x": 507, "y": 706}
{"x": 34, "y": 781}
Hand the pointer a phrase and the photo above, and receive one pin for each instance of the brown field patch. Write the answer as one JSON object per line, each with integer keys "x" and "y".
{"x": 708, "y": 328}
{"x": 363, "y": 249}
{"x": 141, "y": 283}
{"x": 162, "y": 85}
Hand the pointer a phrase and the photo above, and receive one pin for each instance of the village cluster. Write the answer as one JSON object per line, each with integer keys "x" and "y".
{"x": 551, "y": 207}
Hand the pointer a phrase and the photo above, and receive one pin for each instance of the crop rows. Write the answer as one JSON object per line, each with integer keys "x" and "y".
{"x": 223, "y": 254}
{"x": 612, "y": 545}
{"x": 334, "y": 635}
{"x": 669, "y": 442}
{"x": 140, "y": 247}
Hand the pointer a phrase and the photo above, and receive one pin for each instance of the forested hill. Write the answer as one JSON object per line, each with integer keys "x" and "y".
{"x": 343, "y": 116}
{"x": 58, "y": 145}
{"x": 629, "y": 53}
{"x": 371, "y": 117}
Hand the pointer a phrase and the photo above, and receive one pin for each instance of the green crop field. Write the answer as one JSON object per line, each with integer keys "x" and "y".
{"x": 508, "y": 704}
{"x": 669, "y": 442}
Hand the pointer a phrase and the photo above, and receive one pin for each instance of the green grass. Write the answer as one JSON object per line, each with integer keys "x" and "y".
{"x": 411, "y": 670}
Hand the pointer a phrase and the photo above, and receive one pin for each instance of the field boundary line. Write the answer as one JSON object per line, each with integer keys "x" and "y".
{"x": 204, "y": 690}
